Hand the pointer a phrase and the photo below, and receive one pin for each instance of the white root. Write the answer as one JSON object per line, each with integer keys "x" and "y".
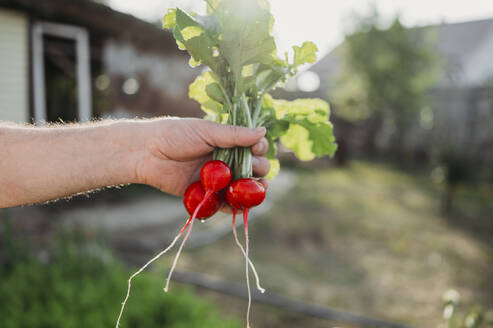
{"x": 139, "y": 271}
{"x": 190, "y": 223}
{"x": 177, "y": 256}
{"x": 262, "y": 290}
{"x": 245, "y": 223}
{"x": 195, "y": 213}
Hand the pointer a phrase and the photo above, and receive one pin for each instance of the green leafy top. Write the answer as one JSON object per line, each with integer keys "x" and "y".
{"x": 235, "y": 41}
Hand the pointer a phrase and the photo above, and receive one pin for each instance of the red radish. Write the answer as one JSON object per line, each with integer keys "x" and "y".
{"x": 193, "y": 196}
{"x": 215, "y": 175}
{"x": 244, "y": 194}
{"x": 232, "y": 201}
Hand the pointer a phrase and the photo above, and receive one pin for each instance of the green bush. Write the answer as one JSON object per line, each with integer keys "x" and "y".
{"x": 79, "y": 287}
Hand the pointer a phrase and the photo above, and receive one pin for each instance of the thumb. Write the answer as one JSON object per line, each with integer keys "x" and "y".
{"x": 229, "y": 136}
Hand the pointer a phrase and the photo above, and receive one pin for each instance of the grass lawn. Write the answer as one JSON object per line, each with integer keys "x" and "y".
{"x": 367, "y": 239}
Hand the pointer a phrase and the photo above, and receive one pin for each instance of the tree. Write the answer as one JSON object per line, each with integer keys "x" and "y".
{"x": 385, "y": 77}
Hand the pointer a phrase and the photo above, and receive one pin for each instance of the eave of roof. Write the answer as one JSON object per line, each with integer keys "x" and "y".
{"x": 457, "y": 41}
{"x": 98, "y": 18}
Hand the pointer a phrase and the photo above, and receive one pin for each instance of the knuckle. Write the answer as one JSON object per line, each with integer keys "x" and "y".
{"x": 235, "y": 134}
{"x": 267, "y": 165}
{"x": 261, "y": 166}
{"x": 262, "y": 147}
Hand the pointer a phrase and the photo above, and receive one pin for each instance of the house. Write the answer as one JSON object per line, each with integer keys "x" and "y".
{"x": 78, "y": 60}
{"x": 461, "y": 100}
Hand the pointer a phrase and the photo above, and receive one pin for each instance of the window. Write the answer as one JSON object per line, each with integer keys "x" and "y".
{"x": 61, "y": 73}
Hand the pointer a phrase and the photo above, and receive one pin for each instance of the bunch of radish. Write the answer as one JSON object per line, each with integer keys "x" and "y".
{"x": 233, "y": 42}
{"x": 202, "y": 200}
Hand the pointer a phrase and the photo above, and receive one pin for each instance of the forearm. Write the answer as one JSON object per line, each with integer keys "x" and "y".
{"x": 41, "y": 164}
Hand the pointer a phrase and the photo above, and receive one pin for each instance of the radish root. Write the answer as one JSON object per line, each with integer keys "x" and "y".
{"x": 257, "y": 280}
{"x": 142, "y": 269}
{"x": 188, "y": 224}
{"x": 192, "y": 219}
{"x": 245, "y": 223}
{"x": 175, "y": 261}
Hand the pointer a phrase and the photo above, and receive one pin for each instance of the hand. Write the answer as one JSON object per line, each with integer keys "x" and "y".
{"x": 176, "y": 149}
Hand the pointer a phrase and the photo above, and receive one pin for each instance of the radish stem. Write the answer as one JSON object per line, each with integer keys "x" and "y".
{"x": 262, "y": 290}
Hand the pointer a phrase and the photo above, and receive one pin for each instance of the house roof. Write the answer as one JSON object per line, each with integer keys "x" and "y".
{"x": 458, "y": 43}
{"x": 100, "y": 19}
{"x": 328, "y": 66}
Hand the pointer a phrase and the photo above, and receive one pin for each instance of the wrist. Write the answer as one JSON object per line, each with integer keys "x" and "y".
{"x": 129, "y": 137}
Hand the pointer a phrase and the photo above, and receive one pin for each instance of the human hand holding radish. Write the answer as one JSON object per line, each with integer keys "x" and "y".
{"x": 63, "y": 160}
{"x": 176, "y": 149}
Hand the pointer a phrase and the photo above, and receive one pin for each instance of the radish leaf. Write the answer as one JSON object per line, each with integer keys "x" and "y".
{"x": 169, "y": 20}
{"x": 235, "y": 41}
{"x": 198, "y": 92}
{"x": 275, "y": 167}
{"x": 309, "y": 140}
{"x": 303, "y": 126}
{"x": 307, "y": 53}
{"x": 246, "y": 35}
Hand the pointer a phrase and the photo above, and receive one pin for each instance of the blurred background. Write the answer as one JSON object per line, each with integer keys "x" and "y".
{"x": 395, "y": 231}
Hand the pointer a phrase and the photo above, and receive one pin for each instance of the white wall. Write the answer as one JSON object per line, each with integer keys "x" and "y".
{"x": 14, "y": 68}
